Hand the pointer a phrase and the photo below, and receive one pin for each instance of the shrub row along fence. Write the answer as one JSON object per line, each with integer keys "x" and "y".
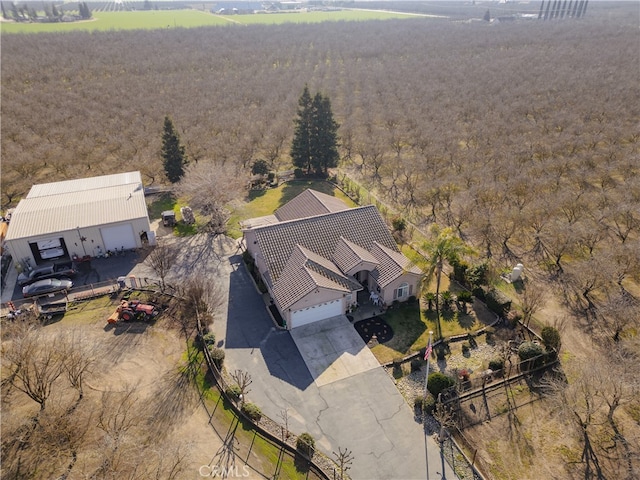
{"x": 283, "y": 454}
{"x": 518, "y": 387}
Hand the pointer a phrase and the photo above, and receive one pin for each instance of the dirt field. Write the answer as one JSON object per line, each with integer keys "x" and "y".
{"x": 165, "y": 416}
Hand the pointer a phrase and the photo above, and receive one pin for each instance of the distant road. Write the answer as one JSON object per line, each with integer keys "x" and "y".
{"x": 398, "y": 13}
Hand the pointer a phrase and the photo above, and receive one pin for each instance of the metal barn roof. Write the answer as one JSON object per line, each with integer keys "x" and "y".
{"x": 84, "y": 184}
{"x": 88, "y": 202}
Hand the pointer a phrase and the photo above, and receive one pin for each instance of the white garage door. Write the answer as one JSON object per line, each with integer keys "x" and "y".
{"x": 315, "y": 313}
{"x": 117, "y": 237}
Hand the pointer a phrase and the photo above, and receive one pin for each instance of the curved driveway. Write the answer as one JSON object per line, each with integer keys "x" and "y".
{"x": 363, "y": 412}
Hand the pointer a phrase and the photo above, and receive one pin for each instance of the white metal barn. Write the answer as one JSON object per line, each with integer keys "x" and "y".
{"x": 79, "y": 218}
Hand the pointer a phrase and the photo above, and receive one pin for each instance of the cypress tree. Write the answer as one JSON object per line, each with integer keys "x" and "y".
{"x": 324, "y": 140}
{"x": 173, "y": 154}
{"x": 315, "y": 141}
{"x": 301, "y": 145}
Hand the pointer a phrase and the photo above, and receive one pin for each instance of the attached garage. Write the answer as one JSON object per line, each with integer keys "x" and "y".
{"x": 79, "y": 218}
{"x": 315, "y": 313}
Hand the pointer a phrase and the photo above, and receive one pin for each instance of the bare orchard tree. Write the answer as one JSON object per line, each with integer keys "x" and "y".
{"x": 209, "y": 187}
{"x": 32, "y": 364}
{"x": 161, "y": 259}
{"x": 590, "y": 403}
{"x": 49, "y": 448}
{"x": 198, "y": 299}
{"x": 118, "y": 417}
{"x": 533, "y": 298}
{"x": 78, "y": 358}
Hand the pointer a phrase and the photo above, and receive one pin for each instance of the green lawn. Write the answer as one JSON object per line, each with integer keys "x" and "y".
{"x": 411, "y": 328}
{"x": 264, "y": 202}
{"x": 224, "y": 419}
{"x": 168, "y": 202}
{"x": 167, "y": 19}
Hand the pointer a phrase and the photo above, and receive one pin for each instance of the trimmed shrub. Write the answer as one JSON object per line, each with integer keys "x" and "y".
{"x": 551, "y": 338}
{"x": 471, "y": 338}
{"x": 306, "y": 445}
{"x": 497, "y": 303}
{"x": 217, "y": 355}
{"x": 209, "y": 339}
{"x": 399, "y": 224}
{"x": 465, "y": 348}
{"x": 478, "y": 292}
{"x": 442, "y": 349}
{"x": 429, "y": 404}
{"x": 252, "y": 411}
{"x": 425, "y": 404}
{"x": 460, "y": 271}
{"x": 411, "y": 300}
{"x": 416, "y": 364}
{"x": 477, "y": 275}
{"x": 397, "y": 368}
{"x": 465, "y": 297}
{"x": 527, "y": 352}
{"x": 233, "y": 392}
{"x": 438, "y": 382}
{"x": 496, "y": 364}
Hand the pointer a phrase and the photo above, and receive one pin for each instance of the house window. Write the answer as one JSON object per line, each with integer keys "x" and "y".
{"x": 403, "y": 290}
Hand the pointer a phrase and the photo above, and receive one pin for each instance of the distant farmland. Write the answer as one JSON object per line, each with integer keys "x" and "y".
{"x": 159, "y": 19}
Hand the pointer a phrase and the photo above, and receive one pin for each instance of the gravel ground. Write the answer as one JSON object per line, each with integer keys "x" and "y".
{"x": 413, "y": 385}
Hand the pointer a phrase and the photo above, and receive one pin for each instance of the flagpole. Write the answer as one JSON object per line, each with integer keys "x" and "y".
{"x": 427, "y": 356}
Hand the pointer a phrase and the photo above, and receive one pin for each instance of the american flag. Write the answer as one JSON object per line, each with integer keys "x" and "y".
{"x": 427, "y": 352}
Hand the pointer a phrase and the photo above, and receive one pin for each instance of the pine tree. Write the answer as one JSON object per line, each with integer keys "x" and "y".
{"x": 315, "y": 142}
{"x": 301, "y": 145}
{"x": 324, "y": 141}
{"x": 173, "y": 154}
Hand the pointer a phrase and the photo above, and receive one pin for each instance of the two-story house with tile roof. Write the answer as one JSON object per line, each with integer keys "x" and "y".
{"x": 315, "y": 254}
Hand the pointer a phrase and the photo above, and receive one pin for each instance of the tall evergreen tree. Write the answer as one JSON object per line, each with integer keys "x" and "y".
{"x": 84, "y": 11}
{"x": 315, "y": 142}
{"x": 301, "y": 145}
{"x": 324, "y": 140}
{"x": 173, "y": 153}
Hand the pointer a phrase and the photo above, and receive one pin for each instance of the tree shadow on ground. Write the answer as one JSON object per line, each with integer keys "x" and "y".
{"x": 174, "y": 397}
{"x": 224, "y": 459}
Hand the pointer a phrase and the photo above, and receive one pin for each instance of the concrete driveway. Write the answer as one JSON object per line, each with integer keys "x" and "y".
{"x": 359, "y": 409}
{"x": 332, "y": 350}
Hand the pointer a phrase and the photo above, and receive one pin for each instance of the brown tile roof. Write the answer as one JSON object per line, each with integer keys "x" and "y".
{"x": 306, "y": 271}
{"x": 308, "y": 204}
{"x": 347, "y": 255}
{"x": 393, "y": 264}
{"x": 362, "y": 226}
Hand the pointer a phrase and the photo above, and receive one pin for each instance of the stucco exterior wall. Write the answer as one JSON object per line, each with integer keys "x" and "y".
{"x": 387, "y": 293}
{"x": 93, "y": 244}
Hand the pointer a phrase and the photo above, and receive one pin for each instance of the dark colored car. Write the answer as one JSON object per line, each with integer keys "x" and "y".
{"x": 49, "y": 285}
{"x": 57, "y": 270}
